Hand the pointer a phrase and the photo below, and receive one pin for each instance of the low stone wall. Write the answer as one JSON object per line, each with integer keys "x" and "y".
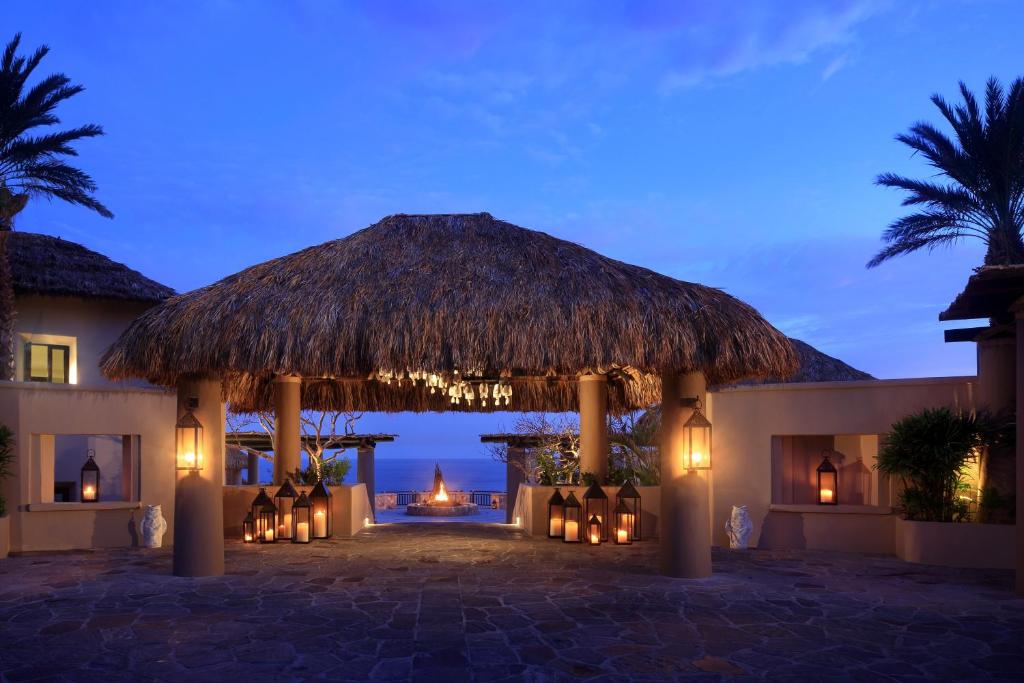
{"x": 389, "y": 500}
{"x": 975, "y": 546}
{"x": 531, "y": 507}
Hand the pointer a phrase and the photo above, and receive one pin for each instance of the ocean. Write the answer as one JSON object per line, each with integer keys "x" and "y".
{"x": 417, "y": 474}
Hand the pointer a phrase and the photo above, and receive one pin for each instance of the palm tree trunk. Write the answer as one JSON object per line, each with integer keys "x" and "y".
{"x": 1005, "y": 247}
{"x": 7, "y": 312}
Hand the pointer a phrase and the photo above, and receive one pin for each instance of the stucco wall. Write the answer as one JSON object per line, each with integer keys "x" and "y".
{"x": 349, "y": 504}
{"x": 31, "y": 410}
{"x": 531, "y": 506}
{"x": 95, "y": 324}
{"x": 746, "y": 418}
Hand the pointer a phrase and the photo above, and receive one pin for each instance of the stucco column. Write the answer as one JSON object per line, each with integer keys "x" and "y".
{"x": 253, "y": 473}
{"x": 287, "y": 427}
{"x": 514, "y": 476}
{"x": 365, "y": 473}
{"x": 199, "y": 496}
{"x": 1020, "y": 450}
{"x": 685, "y": 521}
{"x": 594, "y": 426}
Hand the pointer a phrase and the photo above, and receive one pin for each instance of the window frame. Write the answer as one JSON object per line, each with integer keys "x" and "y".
{"x": 50, "y": 348}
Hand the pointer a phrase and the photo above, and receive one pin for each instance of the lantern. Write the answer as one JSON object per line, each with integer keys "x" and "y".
{"x": 90, "y": 491}
{"x": 629, "y": 497}
{"x": 596, "y": 503}
{"x": 594, "y": 533}
{"x": 828, "y": 482}
{"x": 624, "y": 523}
{"x": 265, "y": 531}
{"x": 556, "y": 514}
{"x": 697, "y": 434}
{"x": 189, "y": 439}
{"x": 572, "y": 528}
{"x": 302, "y": 519}
{"x": 283, "y": 501}
{"x": 248, "y": 529}
{"x": 320, "y": 499}
{"x": 258, "y": 502}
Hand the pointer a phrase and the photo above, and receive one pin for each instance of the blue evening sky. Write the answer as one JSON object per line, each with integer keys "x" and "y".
{"x": 732, "y": 144}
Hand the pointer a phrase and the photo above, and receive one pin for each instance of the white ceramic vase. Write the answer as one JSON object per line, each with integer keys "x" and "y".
{"x": 739, "y": 528}
{"x": 153, "y": 527}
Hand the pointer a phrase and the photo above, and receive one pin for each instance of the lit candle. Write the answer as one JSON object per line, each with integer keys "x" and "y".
{"x": 280, "y": 531}
{"x": 248, "y": 538}
{"x": 697, "y": 457}
{"x": 320, "y": 524}
{"x": 89, "y": 492}
{"x": 826, "y": 495}
{"x": 287, "y": 521}
{"x": 622, "y": 535}
{"x": 269, "y": 535}
{"x": 302, "y": 532}
{"x": 556, "y": 526}
{"x": 519, "y": 521}
{"x": 594, "y": 538}
{"x": 572, "y": 529}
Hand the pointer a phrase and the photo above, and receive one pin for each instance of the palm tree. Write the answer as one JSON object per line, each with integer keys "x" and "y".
{"x": 33, "y": 165}
{"x": 981, "y": 194}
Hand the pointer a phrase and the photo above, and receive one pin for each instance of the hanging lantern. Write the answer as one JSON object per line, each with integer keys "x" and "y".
{"x": 283, "y": 501}
{"x": 572, "y": 528}
{"x": 265, "y": 531}
{"x": 90, "y": 491}
{"x": 594, "y": 532}
{"x": 828, "y": 482}
{"x": 248, "y": 529}
{"x": 302, "y": 519}
{"x": 189, "y": 439}
{"x": 320, "y": 499}
{"x": 630, "y": 498}
{"x": 596, "y": 503}
{"x": 556, "y": 514}
{"x": 697, "y": 433}
{"x": 624, "y": 523}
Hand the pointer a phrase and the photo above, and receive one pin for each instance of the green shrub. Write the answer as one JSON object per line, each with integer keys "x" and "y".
{"x": 6, "y": 458}
{"x": 333, "y": 472}
{"x": 928, "y": 451}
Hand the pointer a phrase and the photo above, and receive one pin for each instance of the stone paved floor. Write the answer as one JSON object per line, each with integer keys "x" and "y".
{"x": 480, "y": 602}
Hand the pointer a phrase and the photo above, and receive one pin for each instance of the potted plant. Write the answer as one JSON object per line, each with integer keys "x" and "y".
{"x": 6, "y": 458}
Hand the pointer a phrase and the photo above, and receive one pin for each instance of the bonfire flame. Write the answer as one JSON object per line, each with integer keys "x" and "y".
{"x": 439, "y": 492}
{"x": 442, "y": 495}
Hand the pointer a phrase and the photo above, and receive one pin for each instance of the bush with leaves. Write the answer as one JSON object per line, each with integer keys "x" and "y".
{"x": 332, "y": 471}
{"x": 6, "y": 458}
{"x": 928, "y": 451}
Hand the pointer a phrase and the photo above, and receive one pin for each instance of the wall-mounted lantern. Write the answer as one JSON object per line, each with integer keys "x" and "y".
{"x": 572, "y": 529}
{"x": 556, "y": 514}
{"x": 320, "y": 498}
{"x": 302, "y": 519}
{"x": 90, "y": 489}
{"x": 595, "y": 502}
{"x": 828, "y": 482}
{"x": 594, "y": 530}
{"x": 248, "y": 528}
{"x": 284, "y": 499}
{"x": 697, "y": 434}
{"x": 624, "y": 523}
{"x": 629, "y": 497}
{"x": 189, "y": 439}
{"x": 265, "y": 531}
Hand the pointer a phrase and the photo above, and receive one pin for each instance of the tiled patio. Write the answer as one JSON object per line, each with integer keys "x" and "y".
{"x": 480, "y": 602}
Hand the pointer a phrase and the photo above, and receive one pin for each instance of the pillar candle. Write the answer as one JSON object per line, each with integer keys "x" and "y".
{"x": 302, "y": 532}
{"x": 826, "y": 495}
{"x": 320, "y": 524}
{"x": 556, "y": 526}
{"x": 622, "y": 535}
{"x": 571, "y": 529}
{"x": 88, "y": 493}
{"x": 269, "y": 535}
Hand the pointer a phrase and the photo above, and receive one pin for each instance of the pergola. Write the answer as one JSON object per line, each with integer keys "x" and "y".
{"x": 997, "y": 293}
{"x": 448, "y": 312}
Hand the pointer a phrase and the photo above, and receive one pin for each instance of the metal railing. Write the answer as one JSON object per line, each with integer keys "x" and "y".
{"x": 483, "y": 498}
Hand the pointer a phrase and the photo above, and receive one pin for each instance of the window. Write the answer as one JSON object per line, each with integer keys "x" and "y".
{"x": 795, "y": 459}
{"x": 47, "y": 363}
{"x": 61, "y": 456}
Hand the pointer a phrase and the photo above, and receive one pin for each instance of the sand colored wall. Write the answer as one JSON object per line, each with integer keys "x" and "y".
{"x": 34, "y": 411}
{"x": 978, "y": 546}
{"x": 746, "y": 419}
{"x": 531, "y": 506}
{"x": 94, "y": 324}
{"x": 349, "y": 504}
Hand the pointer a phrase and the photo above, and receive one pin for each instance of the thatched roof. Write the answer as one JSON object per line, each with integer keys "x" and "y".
{"x": 442, "y": 293}
{"x": 51, "y": 266}
{"x": 990, "y": 293}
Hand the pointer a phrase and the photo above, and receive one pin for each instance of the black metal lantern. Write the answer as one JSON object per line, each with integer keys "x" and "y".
{"x": 320, "y": 498}
{"x": 596, "y": 503}
{"x": 284, "y": 499}
{"x": 90, "y": 489}
{"x": 828, "y": 482}
{"x": 265, "y": 531}
{"x": 258, "y": 502}
{"x": 572, "y": 528}
{"x": 697, "y": 449}
{"x": 302, "y": 519}
{"x": 188, "y": 433}
{"x": 630, "y": 498}
{"x": 556, "y": 514}
{"x": 248, "y": 529}
{"x": 624, "y": 523}
{"x": 594, "y": 530}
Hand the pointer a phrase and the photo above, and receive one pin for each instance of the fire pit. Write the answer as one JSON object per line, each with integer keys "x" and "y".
{"x": 440, "y": 503}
